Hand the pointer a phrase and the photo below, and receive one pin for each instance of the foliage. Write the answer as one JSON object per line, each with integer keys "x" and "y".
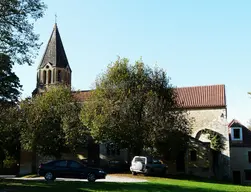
{"x": 217, "y": 139}
{"x": 9, "y": 133}
{"x": 9, "y": 83}
{"x": 17, "y": 38}
{"x": 136, "y": 107}
{"x": 51, "y": 122}
{"x": 9, "y": 162}
{"x": 9, "y": 94}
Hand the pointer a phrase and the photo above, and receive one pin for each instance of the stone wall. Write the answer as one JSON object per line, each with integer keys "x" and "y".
{"x": 216, "y": 120}
{"x": 203, "y": 165}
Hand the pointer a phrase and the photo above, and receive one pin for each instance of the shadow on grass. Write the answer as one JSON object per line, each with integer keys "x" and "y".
{"x": 61, "y": 186}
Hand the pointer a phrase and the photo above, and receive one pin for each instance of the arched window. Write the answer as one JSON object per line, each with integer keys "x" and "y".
{"x": 53, "y": 76}
{"x": 49, "y": 76}
{"x": 44, "y": 77}
{"x": 40, "y": 77}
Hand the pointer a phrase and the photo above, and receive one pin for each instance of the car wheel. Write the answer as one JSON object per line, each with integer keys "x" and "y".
{"x": 134, "y": 173}
{"x": 91, "y": 177}
{"x": 49, "y": 176}
{"x": 147, "y": 172}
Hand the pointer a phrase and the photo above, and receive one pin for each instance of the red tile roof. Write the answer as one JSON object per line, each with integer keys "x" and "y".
{"x": 212, "y": 96}
{"x": 81, "y": 95}
{"x": 209, "y": 96}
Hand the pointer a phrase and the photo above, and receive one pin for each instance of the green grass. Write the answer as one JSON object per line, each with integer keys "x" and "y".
{"x": 153, "y": 184}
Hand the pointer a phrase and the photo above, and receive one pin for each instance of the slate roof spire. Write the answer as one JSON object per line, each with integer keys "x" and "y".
{"x": 54, "y": 52}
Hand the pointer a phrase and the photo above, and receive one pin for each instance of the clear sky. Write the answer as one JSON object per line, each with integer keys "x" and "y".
{"x": 196, "y": 42}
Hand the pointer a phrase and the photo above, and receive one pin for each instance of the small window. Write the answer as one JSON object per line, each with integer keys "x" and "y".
{"x": 49, "y": 76}
{"x": 44, "y": 77}
{"x": 249, "y": 156}
{"x": 74, "y": 164}
{"x": 193, "y": 155}
{"x": 236, "y": 133}
{"x": 248, "y": 175}
{"x": 61, "y": 164}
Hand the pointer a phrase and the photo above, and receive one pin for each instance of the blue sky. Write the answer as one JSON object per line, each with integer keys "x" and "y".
{"x": 196, "y": 42}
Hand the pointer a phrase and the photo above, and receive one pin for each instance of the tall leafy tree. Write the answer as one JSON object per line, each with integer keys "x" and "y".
{"x": 9, "y": 133}
{"x": 17, "y": 37}
{"x": 9, "y": 94}
{"x": 50, "y": 122}
{"x": 137, "y": 108}
{"x": 9, "y": 83}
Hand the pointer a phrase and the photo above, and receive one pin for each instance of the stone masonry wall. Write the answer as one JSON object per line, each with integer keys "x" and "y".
{"x": 216, "y": 120}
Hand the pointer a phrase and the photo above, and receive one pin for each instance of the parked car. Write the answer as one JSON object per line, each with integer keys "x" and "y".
{"x": 147, "y": 166}
{"x": 69, "y": 169}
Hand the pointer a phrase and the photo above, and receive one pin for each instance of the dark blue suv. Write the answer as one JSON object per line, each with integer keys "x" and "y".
{"x": 69, "y": 169}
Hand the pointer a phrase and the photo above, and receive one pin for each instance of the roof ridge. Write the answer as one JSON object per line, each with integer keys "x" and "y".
{"x": 194, "y": 97}
{"x": 235, "y": 121}
{"x": 212, "y": 85}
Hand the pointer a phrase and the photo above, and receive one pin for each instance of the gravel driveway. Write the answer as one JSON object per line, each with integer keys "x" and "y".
{"x": 109, "y": 178}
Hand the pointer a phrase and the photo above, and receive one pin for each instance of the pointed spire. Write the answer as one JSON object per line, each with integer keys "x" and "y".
{"x": 54, "y": 52}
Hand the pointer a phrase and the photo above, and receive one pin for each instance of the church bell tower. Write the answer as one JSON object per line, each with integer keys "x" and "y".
{"x": 54, "y": 68}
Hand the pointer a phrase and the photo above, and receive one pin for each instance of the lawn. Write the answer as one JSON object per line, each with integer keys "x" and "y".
{"x": 153, "y": 184}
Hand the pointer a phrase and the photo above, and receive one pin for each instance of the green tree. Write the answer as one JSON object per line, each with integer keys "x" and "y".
{"x": 51, "y": 123}
{"x": 9, "y": 83}
{"x": 136, "y": 107}
{"x": 9, "y": 133}
{"x": 17, "y": 38}
{"x": 9, "y": 94}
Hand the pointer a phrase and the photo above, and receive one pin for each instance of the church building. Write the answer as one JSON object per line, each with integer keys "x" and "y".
{"x": 206, "y": 105}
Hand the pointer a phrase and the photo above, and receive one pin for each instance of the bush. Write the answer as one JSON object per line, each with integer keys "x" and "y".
{"x": 9, "y": 162}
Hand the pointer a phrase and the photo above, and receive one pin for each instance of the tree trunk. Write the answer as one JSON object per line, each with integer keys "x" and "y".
{"x": 34, "y": 161}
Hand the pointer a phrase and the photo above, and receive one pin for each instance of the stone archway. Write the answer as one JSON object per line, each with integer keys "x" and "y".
{"x": 216, "y": 139}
